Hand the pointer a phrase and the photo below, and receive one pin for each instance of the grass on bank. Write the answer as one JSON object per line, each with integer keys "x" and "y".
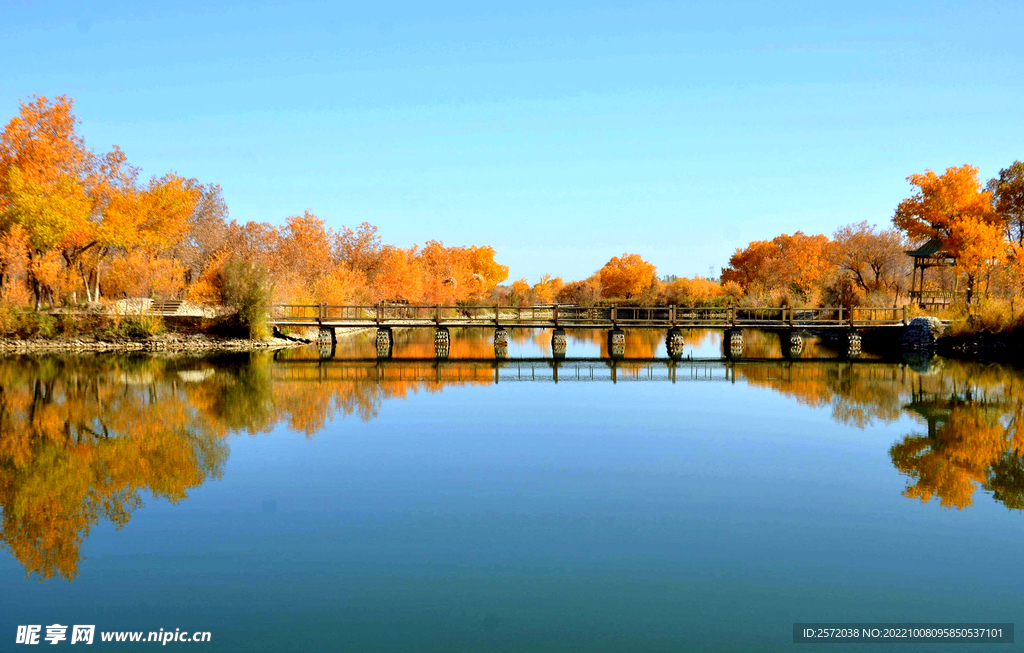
{"x": 25, "y": 324}
{"x": 992, "y": 317}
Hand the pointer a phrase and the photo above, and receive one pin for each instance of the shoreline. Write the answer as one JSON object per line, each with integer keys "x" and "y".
{"x": 173, "y": 341}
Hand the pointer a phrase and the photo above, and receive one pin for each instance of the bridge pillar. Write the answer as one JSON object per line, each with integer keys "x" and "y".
{"x": 500, "y": 337}
{"x": 326, "y": 341}
{"x": 385, "y": 342}
{"x": 325, "y": 350}
{"x": 441, "y": 336}
{"x": 442, "y": 342}
{"x": 792, "y": 344}
{"x": 732, "y": 343}
{"x": 326, "y": 335}
{"x": 852, "y": 344}
{"x": 501, "y": 352}
{"x": 559, "y": 343}
{"x": 674, "y": 342}
{"x": 616, "y": 343}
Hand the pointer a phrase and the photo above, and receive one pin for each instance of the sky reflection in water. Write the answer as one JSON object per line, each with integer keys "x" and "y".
{"x": 275, "y": 500}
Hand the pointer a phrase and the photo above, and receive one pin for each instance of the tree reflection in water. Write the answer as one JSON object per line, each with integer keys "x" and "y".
{"x": 83, "y": 438}
{"x": 972, "y": 413}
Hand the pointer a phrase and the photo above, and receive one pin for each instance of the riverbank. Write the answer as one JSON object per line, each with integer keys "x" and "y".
{"x": 22, "y": 331}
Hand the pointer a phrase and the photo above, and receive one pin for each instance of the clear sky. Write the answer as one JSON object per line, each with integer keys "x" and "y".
{"x": 561, "y": 135}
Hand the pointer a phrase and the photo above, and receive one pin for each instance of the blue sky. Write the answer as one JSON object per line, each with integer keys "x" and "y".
{"x": 561, "y": 135}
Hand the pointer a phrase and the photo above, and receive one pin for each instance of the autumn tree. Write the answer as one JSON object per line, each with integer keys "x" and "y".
{"x": 585, "y": 292}
{"x": 979, "y": 246}
{"x": 546, "y": 289}
{"x": 953, "y": 208}
{"x": 521, "y": 294}
{"x": 693, "y": 291}
{"x": 452, "y": 274}
{"x": 797, "y": 263}
{"x": 941, "y": 201}
{"x": 875, "y": 260}
{"x": 206, "y": 233}
{"x": 77, "y": 206}
{"x": 627, "y": 276}
{"x": 45, "y": 175}
{"x": 1008, "y": 199}
{"x": 359, "y": 248}
{"x": 399, "y": 277}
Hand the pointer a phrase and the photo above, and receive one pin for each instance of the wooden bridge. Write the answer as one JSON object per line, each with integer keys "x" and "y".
{"x": 581, "y": 317}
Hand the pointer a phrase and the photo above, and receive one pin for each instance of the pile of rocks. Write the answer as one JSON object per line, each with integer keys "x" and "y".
{"x": 921, "y": 333}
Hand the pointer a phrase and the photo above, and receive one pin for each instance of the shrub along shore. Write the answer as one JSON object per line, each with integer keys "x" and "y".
{"x": 31, "y": 331}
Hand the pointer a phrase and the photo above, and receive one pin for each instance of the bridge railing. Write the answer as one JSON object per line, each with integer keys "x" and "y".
{"x": 875, "y": 316}
{"x": 584, "y": 315}
{"x": 687, "y": 315}
{"x": 549, "y": 315}
{"x": 758, "y": 315}
{"x": 626, "y": 315}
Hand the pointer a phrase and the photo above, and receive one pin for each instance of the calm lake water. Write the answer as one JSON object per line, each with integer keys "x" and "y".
{"x": 285, "y": 502}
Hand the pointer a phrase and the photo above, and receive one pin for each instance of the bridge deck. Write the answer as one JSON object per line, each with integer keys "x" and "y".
{"x": 579, "y": 317}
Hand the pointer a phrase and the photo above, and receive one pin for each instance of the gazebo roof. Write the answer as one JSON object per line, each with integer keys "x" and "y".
{"x": 933, "y": 247}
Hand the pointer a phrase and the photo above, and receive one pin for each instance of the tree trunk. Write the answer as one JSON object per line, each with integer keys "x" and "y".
{"x": 969, "y": 291}
{"x": 33, "y": 282}
{"x": 85, "y": 282}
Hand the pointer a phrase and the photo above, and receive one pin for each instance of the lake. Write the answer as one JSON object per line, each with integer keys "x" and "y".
{"x": 291, "y": 502}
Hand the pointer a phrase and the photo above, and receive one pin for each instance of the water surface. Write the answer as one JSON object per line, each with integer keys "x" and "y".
{"x": 288, "y": 502}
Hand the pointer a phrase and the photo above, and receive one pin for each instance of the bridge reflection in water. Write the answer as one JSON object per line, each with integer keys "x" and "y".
{"x": 548, "y": 370}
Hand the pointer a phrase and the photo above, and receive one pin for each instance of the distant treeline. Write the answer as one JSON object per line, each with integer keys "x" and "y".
{"x": 78, "y": 227}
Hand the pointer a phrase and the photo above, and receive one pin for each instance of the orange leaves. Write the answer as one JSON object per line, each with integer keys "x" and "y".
{"x": 310, "y": 262}
{"x": 546, "y": 290}
{"x": 154, "y": 217}
{"x": 41, "y": 141}
{"x": 979, "y": 245}
{"x": 398, "y": 275}
{"x": 798, "y": 262}
{"x": 51, "y": 212}
{"x": 453, "y": 274}
{"x": 342, "y": 285}
{"x": 627, "y": 276}
{"x": 144, "y": 274}
{"x": 694, "y": 291}
{"x": 942, "y": 200}
{"x": 80, "y": 207}
{"x": 520, "y": 292}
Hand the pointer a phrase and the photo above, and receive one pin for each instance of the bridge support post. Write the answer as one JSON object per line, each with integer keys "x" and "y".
{"x": 616, "y": 343}
{"x": 326, "y": 341}
{"x": 500, "y": 337}
{"x": 852, "y": 344}
{"x": 674, "y": 341}
{"x": 732, "y": 343}
{"x": 442, "y": 342}
{"x": 559, "y": 343}
{"x": 792, "y": 343}
{"x": 326, "y": 335}
{"x": 500, "y": 343}
{"x": 385, "y": 342}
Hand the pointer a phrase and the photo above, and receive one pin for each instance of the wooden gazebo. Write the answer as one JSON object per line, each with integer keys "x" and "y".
{"x": 931, "y": 254}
